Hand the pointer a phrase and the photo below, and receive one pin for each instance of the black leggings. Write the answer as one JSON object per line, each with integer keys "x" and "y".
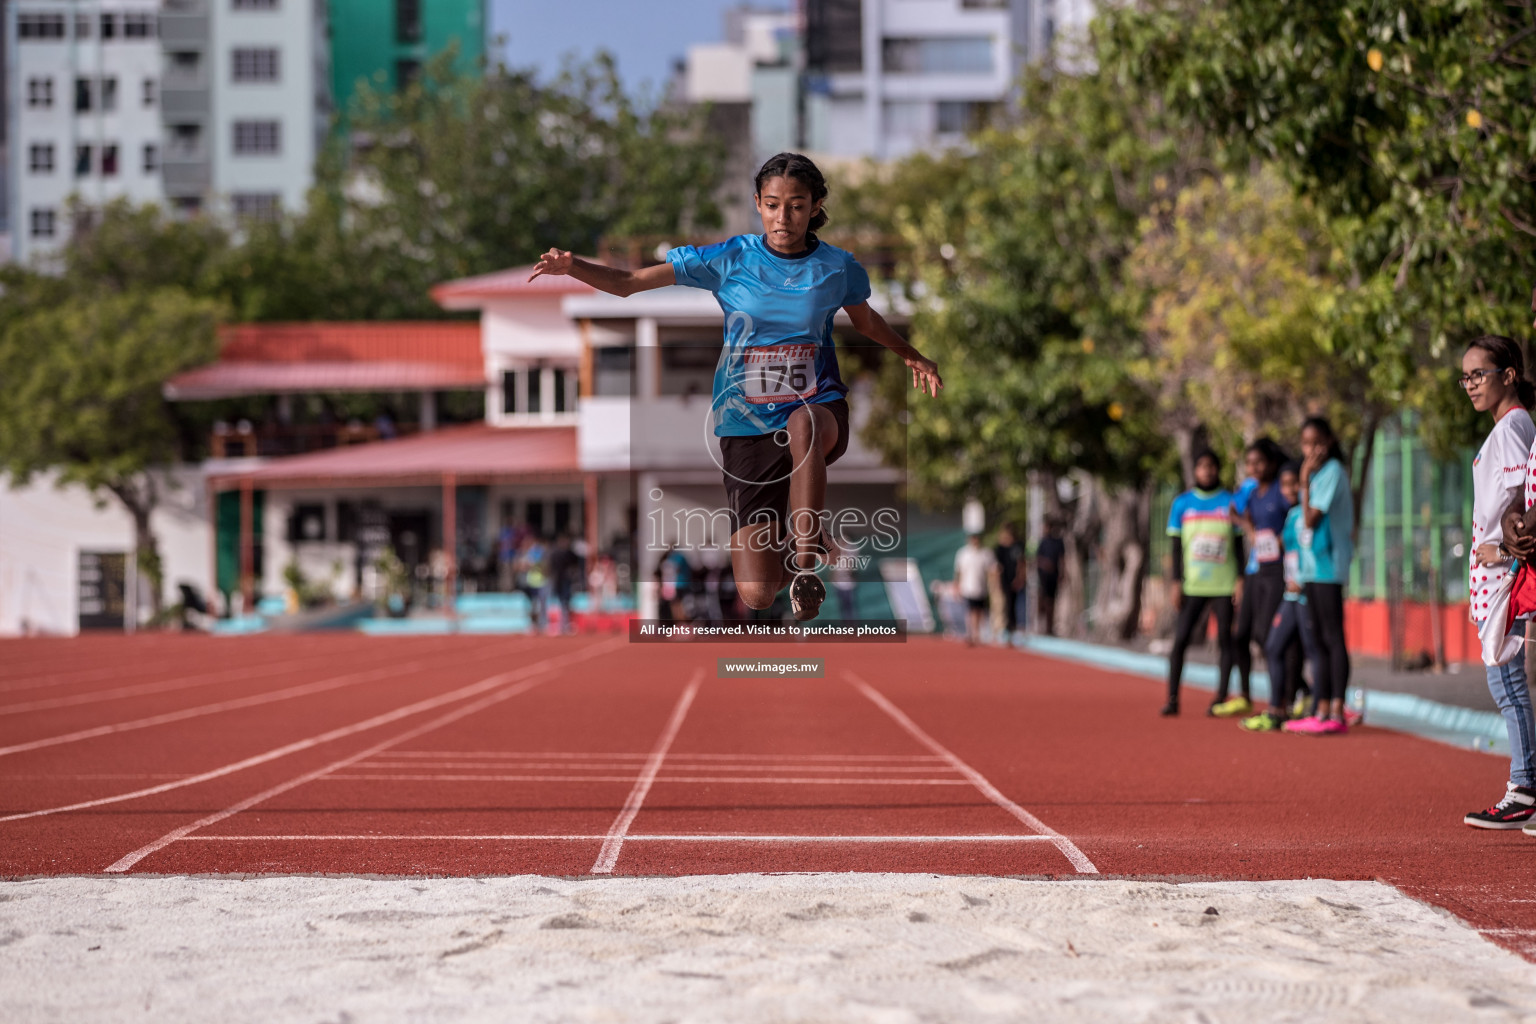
{"x": 1191, "y": 614}
{"x": 1325, "y": 603}
{"x": 1262, "y": 593}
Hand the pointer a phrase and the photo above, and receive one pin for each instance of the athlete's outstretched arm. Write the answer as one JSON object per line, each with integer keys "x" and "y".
{"x": 605, "y": 279}
{"x": 925, "y": 372}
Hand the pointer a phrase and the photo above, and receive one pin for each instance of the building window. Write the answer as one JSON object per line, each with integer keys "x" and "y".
{"x": 40, "y": 158}
{"x": 963, "y": 55}
{"x": 109, "y": 26}
{"x": 83, "y": 93}
{"x": 188, "y": 206}
{"x": 535, "y": 390}
{"x": 139, "y": 25}
{"x": 109, "y": 161}
{"x": 906, "y": 119}
{"x": 43, "y": 222}
{"x": 40, "y": 26}
{"x": 406, "y": 72}
{"x": 254, "y": 5}
{"x": 82, "y": 26}
{"x": 613, "y": 371}
{"x": 255, "y": 64}
{"x": 407, "y": 21}
{"x": 151, "y": 88}
{"x": 108, "y": 94}
{"x": 983, "y": 5}
{"x": 263, "y": 206}
{"x": 561, "y": 403}
{"x": 151, "y": 158}
{"x": 307, "y": 523}
{"x": 959, "y": 117}
{"x": 40, "y": 93}
{"x": 82, "y": 161}
{"x": 509, "y": 392}
{"x": 187, "y": 141}
{"x": 257, "y": 138}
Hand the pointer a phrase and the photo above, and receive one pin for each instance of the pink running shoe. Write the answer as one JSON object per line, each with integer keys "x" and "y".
{"x": 1330, "y": 727}
{"x": 1305, "y": 726}
{"x": 1352, "y": 717}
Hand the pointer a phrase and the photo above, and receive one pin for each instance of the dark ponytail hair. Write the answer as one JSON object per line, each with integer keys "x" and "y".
{"x": 1506, "y": 355}
{"x": 1270, "y": 452}
{"x": 1322, "y": 426}
{"x": 801, "y": 169}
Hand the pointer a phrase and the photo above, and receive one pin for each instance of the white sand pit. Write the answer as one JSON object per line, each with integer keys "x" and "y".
{"x": 741, "y": 948}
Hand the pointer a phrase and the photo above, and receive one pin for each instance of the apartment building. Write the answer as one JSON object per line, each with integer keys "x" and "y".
{"x": 386, "y": 42}
{"x": 83, "y": 111}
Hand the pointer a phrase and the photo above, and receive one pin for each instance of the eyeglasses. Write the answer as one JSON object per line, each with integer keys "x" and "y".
{"x": 1475, "y": 379}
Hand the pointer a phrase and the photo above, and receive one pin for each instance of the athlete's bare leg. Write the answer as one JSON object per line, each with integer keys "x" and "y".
{"x": 812, "y": 436}
{"x": 761, "y": 566}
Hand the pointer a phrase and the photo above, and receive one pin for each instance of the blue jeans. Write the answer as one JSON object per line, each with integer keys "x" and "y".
{"x": 1512, "y": 693}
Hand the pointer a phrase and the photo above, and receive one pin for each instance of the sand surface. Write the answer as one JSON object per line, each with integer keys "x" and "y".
{"x": 740, "y": 948}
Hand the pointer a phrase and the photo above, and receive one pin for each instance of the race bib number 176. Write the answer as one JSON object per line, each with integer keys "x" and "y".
{"x": 779, "y": 373}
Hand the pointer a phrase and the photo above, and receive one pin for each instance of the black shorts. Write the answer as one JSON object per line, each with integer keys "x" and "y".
{"x": 757, "y": 469}
{"x": 978, "y": 604}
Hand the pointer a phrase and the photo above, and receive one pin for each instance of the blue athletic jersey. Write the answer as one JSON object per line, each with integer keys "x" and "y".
{"x": 778, "y": 349}
{"x": 1204, "y": 524}
{"x": 1267, "y": 509}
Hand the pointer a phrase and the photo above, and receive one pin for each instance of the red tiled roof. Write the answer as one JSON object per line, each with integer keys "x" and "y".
{"x": 504, "y": 284}
{"x": 476, "y": 454}
{"x": 428, "y": 341}
{"x": 263, "y": 359}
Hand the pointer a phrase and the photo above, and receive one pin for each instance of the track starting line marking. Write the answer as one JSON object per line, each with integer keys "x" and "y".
{"x": 632, "y": 838}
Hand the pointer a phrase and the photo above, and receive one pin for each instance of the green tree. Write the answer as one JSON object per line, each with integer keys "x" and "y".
{"x": 83, "y": 396}
{"x": 457, "y": 176}
{"x": 1410, "y": 124}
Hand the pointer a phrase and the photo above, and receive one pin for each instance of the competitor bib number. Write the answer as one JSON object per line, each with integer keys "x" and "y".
{"x": 1266, "y": 546}
{"x": 1208, "y": 548}
{"x": 779, "y": 373}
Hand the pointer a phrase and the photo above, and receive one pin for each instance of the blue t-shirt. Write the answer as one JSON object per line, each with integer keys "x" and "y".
{"x": 1297, "y": 560}
{"x": 1267, "y": 509}
{"x": 778, "y": 327}
{"x": 1330, "y": 542}
{"x": 1203, "y": 522}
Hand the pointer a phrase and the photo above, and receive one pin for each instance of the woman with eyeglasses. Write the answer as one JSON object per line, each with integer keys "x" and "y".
{"x": 1493, "y": 375}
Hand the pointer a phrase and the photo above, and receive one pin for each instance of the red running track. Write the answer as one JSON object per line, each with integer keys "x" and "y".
{"x": 460, "y": 755}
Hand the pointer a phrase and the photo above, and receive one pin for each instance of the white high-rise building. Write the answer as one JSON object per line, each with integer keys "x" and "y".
{"x": 885, "y": 78}
{"x": 84, "y": 113}
{"x": 206, "y": 105}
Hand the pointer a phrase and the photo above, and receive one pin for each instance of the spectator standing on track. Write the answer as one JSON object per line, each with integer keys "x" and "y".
{"x": 1261, "y": 507}
{"x": 974, "y": 566}
{"x": 564, "y": 573}
{"x": 1290, "y": 633}
{"x": 1207, "y": 554}
{"x": 1327, "y": 532}
{"x": 1493, "y": 376}
{"x": 1009, "y": 554}
{"x": 1050, "y": 556}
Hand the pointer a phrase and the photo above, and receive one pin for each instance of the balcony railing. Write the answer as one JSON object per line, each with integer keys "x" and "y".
{"x": 244, "y": 441}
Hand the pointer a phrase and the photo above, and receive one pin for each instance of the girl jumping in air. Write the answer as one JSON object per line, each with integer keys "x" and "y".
{"x": 779, "y": 405}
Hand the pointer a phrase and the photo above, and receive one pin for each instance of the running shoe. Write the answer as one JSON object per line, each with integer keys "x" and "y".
{"x": 1515, "y": 810}
{"x": 1299, "y": 706}
{"x": 1232, "y": 708}
{"x": 1304, "y": 726}
{"x": 1170, "y": 709}
{"x": 1263, "y": 722}
{"x": 1330, "y": 727}
{"x": 1353, "y": 718}
{"x": 806, "y": 594}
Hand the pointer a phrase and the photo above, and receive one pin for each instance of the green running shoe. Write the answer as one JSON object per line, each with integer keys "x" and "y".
{"x": 1232, "y": 708}
{"x": 1264, "y": 722}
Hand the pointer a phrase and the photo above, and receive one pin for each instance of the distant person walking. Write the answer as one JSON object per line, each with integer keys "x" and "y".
{"x": 1328, "y": 524}
{"x": 974, "y": 566}
{"x": 1207, "y": 554}
{"x": 1493, "y": 376}
{"x": 1050, "y": 556}
{"x": 1009, "y": 554}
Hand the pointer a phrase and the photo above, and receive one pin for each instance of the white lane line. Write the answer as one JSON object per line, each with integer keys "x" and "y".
{"x": 727, "y": 837}
{"x": 163, "y": 685}
{"x": 759, "y": 780}
{"x": 463, "y": 693}
{"x": 1066, "y": 846}
{"x": 604, "y": 756}
{"x": 608, "y": 856}
{"x": 673, "y": 768}
{"x": 87, "y": 674}
{"x": 234, "y": 704}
